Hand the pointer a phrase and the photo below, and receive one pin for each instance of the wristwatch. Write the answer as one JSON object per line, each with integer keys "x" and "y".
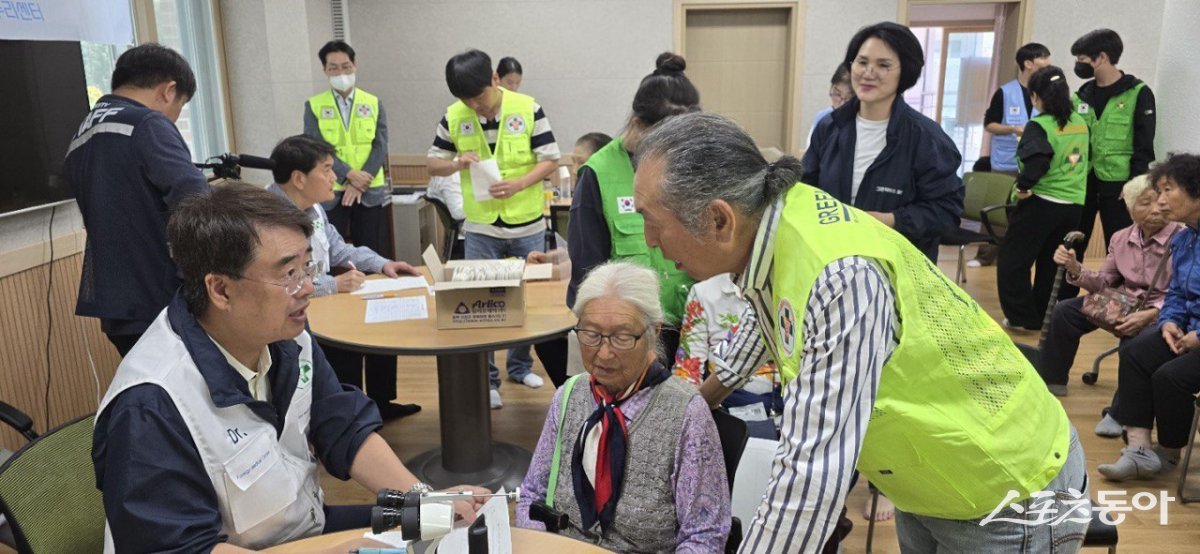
{"x": 421, "y": 488}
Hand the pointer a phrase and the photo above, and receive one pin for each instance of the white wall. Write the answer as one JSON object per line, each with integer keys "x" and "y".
{"x": 1178, "y": 80}
{"x": 583, "y": 59}
{"x": 1058, "y": 23}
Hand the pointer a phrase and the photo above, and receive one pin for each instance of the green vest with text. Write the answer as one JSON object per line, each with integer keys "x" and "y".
{"x": 514, "y": 156}
{"x": 1111, "y": 133}
{"x": 960, "y": 418}
{"x": 614, "y": 175}
{"x": 353, "y": 144}
{"x": 1067, "y": 177}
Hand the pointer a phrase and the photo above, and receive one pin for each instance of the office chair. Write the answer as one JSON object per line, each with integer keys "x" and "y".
{"x": 48, "y": 492}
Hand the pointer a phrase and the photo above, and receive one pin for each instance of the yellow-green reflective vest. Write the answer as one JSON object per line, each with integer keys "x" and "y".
{"x": 1067, "y": 177}
{"x": 626, "y": 228}
{"x": 1111, "y": 133}
{"x": 514, "y": 156}
{"x": 961, "y": 418}
{"x": 353, "y": 144}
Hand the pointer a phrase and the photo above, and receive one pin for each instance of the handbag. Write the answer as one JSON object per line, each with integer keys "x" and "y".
{"x": 1107, "y": 307}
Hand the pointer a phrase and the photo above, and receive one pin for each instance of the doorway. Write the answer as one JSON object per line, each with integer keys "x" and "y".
{"x": 742, "y": 59}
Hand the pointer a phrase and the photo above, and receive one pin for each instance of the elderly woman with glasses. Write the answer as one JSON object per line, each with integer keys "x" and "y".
{"x": 629, "y": 454}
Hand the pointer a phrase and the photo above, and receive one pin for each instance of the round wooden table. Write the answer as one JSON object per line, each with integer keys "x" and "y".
{"x": 523, "y": 540}
{"x": 467, "y": 454}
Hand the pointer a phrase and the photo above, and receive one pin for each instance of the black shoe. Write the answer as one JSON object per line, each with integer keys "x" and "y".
{"x": 391, "y": 411}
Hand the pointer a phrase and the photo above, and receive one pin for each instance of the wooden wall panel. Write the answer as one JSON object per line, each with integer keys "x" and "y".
{"x": 23, "y": 326}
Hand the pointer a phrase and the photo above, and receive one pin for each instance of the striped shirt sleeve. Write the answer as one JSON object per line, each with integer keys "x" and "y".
{"x": 849, "y": 333}
{"x": 739, "y": 355}
{"x": 442, "y": 146}
{"x": 542, "y": 141}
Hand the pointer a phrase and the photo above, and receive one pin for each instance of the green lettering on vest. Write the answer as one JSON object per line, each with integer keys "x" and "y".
{"x": 626, "y": 228}
{"x": 353, "y": 144}
{"x": 961, "y": 418}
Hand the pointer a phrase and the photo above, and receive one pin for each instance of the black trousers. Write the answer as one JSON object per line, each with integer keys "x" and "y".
{"x": 1103, "y": 198}
{"x": 553, "y": 354}
{"x": 1035, "y": 229}
{"x": 124, "y": 343}
{"x": 380, "y": 372}
{"x": 363, "y": 226}
{"x": 1158, "y": 387}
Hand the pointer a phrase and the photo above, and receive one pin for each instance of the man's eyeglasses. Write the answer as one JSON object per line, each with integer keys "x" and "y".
{"x": 295, "y": 279}
{"x": 618, "y": 341}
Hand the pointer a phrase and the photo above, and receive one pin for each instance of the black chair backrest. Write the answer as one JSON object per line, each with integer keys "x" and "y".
{"x": 734, "y": 434}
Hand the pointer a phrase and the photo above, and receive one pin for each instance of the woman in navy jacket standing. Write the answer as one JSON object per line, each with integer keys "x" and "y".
{"x": 880, "y": 155}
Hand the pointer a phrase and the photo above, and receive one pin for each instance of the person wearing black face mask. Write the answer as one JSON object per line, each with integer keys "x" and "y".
{"x": 1119, "y": 110}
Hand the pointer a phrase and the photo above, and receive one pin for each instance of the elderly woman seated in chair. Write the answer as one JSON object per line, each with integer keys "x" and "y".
{"x": 630, "y": 455}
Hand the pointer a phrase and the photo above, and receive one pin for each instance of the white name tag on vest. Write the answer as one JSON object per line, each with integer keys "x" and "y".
{"x": 251, "y": 462}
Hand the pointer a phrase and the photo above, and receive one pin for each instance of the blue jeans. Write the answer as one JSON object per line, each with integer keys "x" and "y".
{"x": 929, "y": 534}
{"x": 483, "y": 247}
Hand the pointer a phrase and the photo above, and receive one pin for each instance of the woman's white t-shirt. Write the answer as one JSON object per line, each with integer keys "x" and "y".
{"x": 869, "y": 142}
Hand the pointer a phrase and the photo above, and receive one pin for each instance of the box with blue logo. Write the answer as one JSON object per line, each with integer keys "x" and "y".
{"x": 474, "y": 294}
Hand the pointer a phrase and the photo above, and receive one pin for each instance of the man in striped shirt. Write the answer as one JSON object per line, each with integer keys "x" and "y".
{"x": 963, "y": 436}
{"x": 491, "y": 123}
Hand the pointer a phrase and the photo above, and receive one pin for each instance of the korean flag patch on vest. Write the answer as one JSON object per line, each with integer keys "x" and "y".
{"x": 327, "y": 113}
{"x": 466, "y": 128}
{"x": 625, "y": 205}
{"x": 785, "y": 327}
{"x": 364, "y": 110}
{"x": 515, "y": 124}
{"x": 1083, "y": 108}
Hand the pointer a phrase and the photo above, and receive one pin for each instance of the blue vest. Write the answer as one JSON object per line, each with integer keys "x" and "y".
{"x": 1004, "y": 147}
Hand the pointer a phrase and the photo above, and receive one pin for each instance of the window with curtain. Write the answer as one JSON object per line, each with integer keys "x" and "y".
{"x": 188, "y": 27}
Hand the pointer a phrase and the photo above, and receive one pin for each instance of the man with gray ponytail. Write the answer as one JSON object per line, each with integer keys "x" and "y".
{"x": 887, "y": 365}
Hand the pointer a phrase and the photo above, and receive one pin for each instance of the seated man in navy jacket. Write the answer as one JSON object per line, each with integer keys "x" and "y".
{"x": 209, "y": 437}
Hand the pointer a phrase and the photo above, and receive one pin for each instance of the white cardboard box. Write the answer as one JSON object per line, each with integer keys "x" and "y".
{"x": 478, "y": 304}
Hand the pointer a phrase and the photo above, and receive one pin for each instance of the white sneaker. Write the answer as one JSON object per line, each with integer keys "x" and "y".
{"x": 494, "y": 396}
{"x": 532, "y": 381}
{"x": 974, "y": 263}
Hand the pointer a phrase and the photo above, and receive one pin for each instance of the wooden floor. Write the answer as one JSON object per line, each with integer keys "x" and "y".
{"x": 520, "y": 422}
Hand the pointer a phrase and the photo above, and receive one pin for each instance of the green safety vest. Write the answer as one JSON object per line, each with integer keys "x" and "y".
{"x": 353, "y": 144}
{"x": 1067, "y": 178}
{"x": 614, "y": 175}
{"x": 1111, "y": 134}
{"x": 961, "y": 418}
{"x": 514, "y": 156}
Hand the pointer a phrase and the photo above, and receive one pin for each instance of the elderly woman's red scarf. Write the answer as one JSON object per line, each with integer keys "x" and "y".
{"x": 599, "y": 503}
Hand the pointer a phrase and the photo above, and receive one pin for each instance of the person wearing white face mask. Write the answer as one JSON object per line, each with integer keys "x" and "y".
{"x": 353, "y": 121}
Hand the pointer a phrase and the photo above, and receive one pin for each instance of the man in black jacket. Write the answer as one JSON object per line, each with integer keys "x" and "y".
{"x": 1120, "y": 112}
{"x": 129, "y": 167}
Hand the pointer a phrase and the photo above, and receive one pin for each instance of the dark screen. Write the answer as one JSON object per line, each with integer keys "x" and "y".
{"x": 43, "y": 99}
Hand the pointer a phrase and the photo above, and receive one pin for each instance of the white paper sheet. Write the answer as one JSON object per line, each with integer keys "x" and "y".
{"x": 397, "y": 309}
{"x": 484, "y": 174}
{"x": 499, "y": 532}
{"x": 376, "y": 286}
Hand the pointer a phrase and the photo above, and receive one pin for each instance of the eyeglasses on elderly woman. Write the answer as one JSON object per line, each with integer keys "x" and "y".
{"x": 618, "y": 341}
